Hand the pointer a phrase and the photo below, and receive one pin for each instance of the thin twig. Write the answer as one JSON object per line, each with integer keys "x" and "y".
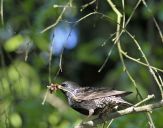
{"x": 45, "y": 96}
{"x": 161, "y": 80}
{"x": 60, "y": 60}
{"x": 146, "y": 99}
{"x": 110, "y": 123}
{"x": 117, "y": 40}
{"x": 145, "y": 58}
{"x": 82, "y": 18}
{"x": 1, "y": 12}
{"x": 50, "y": 61}
{"x": 58, "y": 19}
{"x": 154, "y": 19}
{"x": 27, "y": 50}
{"x": 138, "y": 61}
{"x": 86, "y": 5}
{"x": 132, "y": 13}
{"x": 107, "y": 58}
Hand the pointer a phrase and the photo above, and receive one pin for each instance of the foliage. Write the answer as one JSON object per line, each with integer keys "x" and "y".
{"x": 29, "y": 61}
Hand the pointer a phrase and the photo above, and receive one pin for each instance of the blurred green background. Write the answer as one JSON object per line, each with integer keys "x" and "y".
{"x": 26, "y": 67}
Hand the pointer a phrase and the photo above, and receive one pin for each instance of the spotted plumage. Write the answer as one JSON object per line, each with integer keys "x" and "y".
{"x": 91, "y": 100}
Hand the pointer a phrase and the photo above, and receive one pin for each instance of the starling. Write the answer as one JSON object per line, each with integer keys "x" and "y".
{"x": 91, "y": 100}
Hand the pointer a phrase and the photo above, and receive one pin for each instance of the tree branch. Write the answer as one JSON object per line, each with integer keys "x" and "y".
{"x": 130, "y": 110}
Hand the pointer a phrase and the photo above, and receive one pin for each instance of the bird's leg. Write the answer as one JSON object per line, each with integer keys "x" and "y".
{"x": 91, "y": 111}
{"x": 89, "y": 119}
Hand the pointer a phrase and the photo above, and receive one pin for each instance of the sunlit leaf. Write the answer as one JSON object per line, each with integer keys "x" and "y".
{"x": 13, "y": 43}
{"x": 15, "y": 120}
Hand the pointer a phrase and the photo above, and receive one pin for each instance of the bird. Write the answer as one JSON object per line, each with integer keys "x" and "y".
{"x": 92, "y": 100}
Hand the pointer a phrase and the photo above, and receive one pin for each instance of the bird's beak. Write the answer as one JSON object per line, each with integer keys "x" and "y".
{"x": 60, "y": 86}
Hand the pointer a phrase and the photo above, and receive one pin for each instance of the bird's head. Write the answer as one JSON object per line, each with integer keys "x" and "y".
{"x": 66, "y": 87}
{"x": 69, "y": 86}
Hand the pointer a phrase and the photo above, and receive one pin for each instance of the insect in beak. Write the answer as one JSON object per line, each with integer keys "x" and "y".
{"x": 54, "y": 87}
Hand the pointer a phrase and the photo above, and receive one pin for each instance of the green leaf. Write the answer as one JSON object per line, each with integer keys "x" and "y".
{"x": 15, "y": 120}
{"x": 13, "y": 43}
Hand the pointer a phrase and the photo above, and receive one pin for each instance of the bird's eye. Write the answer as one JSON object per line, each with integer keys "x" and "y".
{"x": 64, "y": 85}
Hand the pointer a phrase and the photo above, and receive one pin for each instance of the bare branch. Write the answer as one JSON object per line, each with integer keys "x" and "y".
{"x": 130, "y": 110}
{"x": 58, "y": 19}
{"x": 140, "y": 62}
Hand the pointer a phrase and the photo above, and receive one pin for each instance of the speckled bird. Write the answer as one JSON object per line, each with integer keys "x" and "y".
{"x": 91, "y": 100}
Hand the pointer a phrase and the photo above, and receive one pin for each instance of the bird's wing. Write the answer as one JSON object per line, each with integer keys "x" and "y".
{"x": 89, "y": 93}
